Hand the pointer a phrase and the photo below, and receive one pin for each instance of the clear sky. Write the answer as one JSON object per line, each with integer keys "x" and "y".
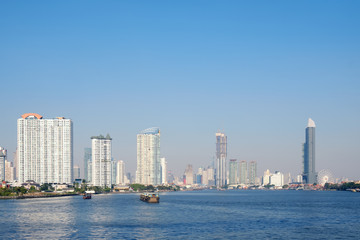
{"x": 256, "y": 70}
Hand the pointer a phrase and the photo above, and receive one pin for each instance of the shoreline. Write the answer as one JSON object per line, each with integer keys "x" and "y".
{"x": 38, "y": 196}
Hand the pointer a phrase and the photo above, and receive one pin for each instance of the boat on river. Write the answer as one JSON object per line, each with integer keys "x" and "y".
{"x": 150, "y": 197}
{"x": 87, "y": 194}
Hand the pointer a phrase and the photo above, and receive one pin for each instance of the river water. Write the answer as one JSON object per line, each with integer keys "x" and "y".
{"x": 210, "y": 214}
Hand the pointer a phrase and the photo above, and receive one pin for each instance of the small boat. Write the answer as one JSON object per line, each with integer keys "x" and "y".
{"x": 150, "y": 197}
{"x": 87, "y": 194}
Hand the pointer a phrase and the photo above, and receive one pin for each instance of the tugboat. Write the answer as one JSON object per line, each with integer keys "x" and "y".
{"x": 150, "y": 197}
{"x": 87, "y": 194}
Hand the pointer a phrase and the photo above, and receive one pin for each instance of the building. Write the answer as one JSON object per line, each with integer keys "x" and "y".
{"x": 221, "y": 154}
{"x": 233, "y": 172}
{"x": 309, "y": 173}
{"x": 101, "y": 161}
{"x": 87, "y": 160}
{"x": 252, "y": 173}
{"x": 76, "y": 172}
{"x": 148, "y": 169}
{"x": 9, "y": 171}
{"x": 163, "y": 165}
{"x": 44, "y": 149}
{"x": 120, "y": 172}
{"x": 2, "y": 163}
{"x": 266, "y": 178}
{"x": 189, "y": 175}
{"x": 211, "y": 176}
{"x": 243, "y": 172}
{"x": 277, "y": 179}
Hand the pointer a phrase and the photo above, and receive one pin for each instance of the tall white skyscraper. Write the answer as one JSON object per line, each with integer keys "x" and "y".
{"x": 101, "y": 161}
{"x": 221, "y": 154}
{"x": 2, "y": 163}
{"x": 120, "y": 172}
{"x": 163, "y": 165}
{"x": 148, "y": 157}
{"x": 44, "y": 149}
{"x": 76, "y": 172}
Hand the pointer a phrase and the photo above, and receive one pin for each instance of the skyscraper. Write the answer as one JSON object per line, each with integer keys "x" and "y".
{"x": 309, "y": 174}
{"x": 101, "y": 161}
{"x": 221, "y": 154}
{"x": 189, "y": 175}
{"x": 243, "y": 172}
{"x": 44, "y": 149}
{"x": 148, "y": 169}
{"x": 76, "y": 173}
{"x": 163, "y": 164}
{"x": 87, "y": 159}
{"x": 252, "y": 172}
{"x": 233, "y": 172}
{"x": 120, "y": 173}
{"x": 2, "y": 163}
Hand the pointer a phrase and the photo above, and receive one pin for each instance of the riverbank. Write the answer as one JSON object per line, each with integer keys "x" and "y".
{"x": 39, "y": 195}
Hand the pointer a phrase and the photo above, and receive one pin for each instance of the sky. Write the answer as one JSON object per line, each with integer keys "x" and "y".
{"x": 255, "y": 70}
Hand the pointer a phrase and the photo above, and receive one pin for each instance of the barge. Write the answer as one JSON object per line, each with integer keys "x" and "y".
{"x": 150, "y": 197}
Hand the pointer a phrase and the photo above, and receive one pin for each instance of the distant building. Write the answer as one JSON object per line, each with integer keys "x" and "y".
{"x": 44, "y": 149}
{"x": 148, "y": 169}
{"x": 221, "y": 155}
{"x": 266, "y": 178}
{"x": 233, "y": 172}
{"x": 252, "y": 173}
{"x": 243, "y": 172}
{"x": 101, "y": 161}
{"x": 205, "y": 177}
{"x": 76, "y": 172}
{"x": 120, "y": 173}
{"x": 163, "y": 165}
{"x": 9, "y": 171}
{"x": 87, "y": 160}
{"x": 309, "y": 173}
{"x": 277, "y": 179}
{"x": 2, "y": 163}
{"x": 189, "y": 175}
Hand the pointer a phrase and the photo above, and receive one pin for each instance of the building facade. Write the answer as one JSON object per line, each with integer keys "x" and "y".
{"x": 87, "y": 159}
{"x": 76, "y": 173}
{"x": 120, "y": 172}
{"x": 243, "y": 172}
{"x": 163, "y": 165}
{"x": 44, "y": 149}
{"x": 221, "y": 155}
{"x": 148, "y": 169}
{"x": 233, "y": 172}
{"x": 252, "y": 173}
{"x": 2, "y": 163}
{"x": 309, "y": 173}
{"x": 101, "y": 161}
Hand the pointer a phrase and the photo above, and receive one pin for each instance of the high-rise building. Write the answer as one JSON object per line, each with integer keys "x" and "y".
{"x": 211, "y": 176}
{"x": 277, "y": 179}
{"x": 243, "y": 172}
{"x": 101, "y": 161}
{"x": 252, "y": 172}
{"x": 87, "y": 159}
{"x": 2, "y": 163}
{"x": 148, "y": 169}
{"x": 76, "y": 172}
{"x": 233, "y": 172}
{"x": 266, "y": 178}
{"x": 309, "y": 173}
{"x": 221, "y": 154}
{"x": 9, "y": 171}
{"x": 163, "y": 165}
{"x": 189, "y": 175}
{"x": 120, "y": 173}
{"x": 44, "y": 149}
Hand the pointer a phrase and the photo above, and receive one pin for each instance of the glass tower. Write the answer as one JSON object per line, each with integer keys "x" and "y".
{"x": 309, "y": 174}
{"x": 221, "y": 153}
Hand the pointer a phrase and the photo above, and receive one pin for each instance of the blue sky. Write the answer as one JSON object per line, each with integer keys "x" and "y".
{"x": 254, "y": 69}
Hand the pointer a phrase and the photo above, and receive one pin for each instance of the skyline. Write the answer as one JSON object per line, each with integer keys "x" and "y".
{"x": 255, "y": 71}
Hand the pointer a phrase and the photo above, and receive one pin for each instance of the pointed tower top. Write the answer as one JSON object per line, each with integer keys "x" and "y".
{"x": 311, "y": 123}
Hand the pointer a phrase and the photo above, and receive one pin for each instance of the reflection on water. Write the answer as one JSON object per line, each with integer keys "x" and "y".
{"x": 181, "y": 215}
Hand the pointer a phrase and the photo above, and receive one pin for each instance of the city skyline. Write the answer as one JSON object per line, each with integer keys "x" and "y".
{"x": 191, "y": 69}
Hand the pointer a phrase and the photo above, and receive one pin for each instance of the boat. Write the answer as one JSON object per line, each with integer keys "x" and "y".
{"x": 87, "y": 194}
{"x": 150, "y": 197}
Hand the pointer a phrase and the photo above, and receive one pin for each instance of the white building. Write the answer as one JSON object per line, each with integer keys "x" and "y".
{"x": 101, "y": 161}
{"x": 148, "y": 169}
{"x": 76, "y": 172}
{"x": 163, "y": 165}
{"x": 44, "y": 149}
{"x": 266, "y": 178}
{"x": 9, "y": 171}
{"x": 120, "y": 173}
{"x": 277, "y": 179}
{"x": 189, "y": 175}
{"x": 2, "y": 163}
